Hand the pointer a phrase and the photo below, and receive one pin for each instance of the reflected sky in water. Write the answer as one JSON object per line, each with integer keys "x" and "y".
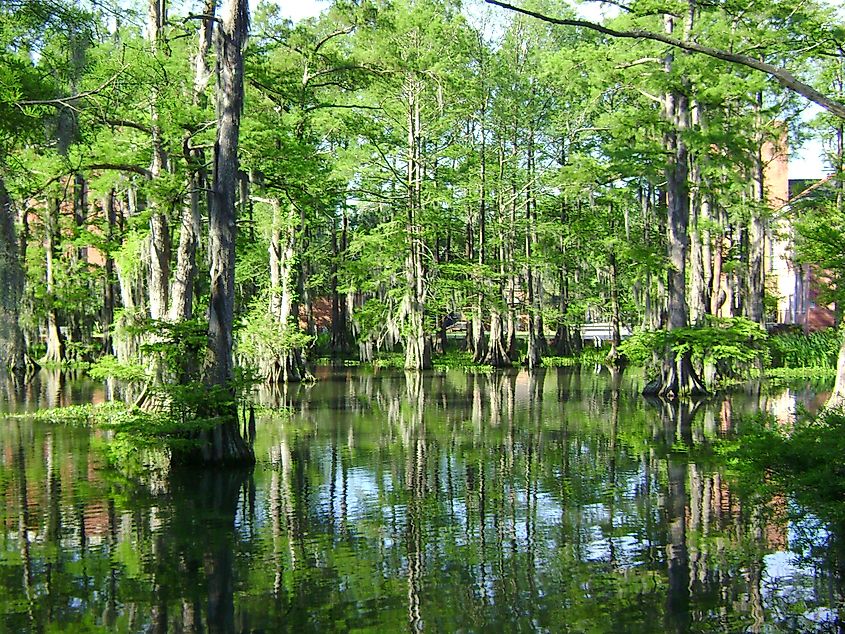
{"x": 557, "y": 501}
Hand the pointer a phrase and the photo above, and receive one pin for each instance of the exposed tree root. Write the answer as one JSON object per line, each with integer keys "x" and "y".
{"x": 677, "y": 379}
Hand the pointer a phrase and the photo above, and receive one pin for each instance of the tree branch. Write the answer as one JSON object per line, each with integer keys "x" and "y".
{"x": 67, "y": 101}
{"x": 119, "y": 167}
{"x": 124, "y": 123}
{"x": 333, "y": 34}
{"x": 352, "y": 106}
{"x": 781, "y": 75}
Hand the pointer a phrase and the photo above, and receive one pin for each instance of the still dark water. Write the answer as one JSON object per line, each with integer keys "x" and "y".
{"x": 558, "y": 501}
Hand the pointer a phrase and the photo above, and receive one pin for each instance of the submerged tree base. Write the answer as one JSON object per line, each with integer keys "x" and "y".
{"x": 677, "y": 378}
{"x": 222, "y": 445}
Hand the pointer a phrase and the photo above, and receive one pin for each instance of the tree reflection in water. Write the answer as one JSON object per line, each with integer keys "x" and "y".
{"x": 553, "y": 500}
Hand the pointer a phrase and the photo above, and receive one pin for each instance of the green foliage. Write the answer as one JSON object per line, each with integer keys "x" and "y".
{"x": 389, "y": 360}
{"x": 262, "y": 339}
{"x": 800, "y": 373}
{"x": 108, "y": 367}
{"x": 804, "y": 458}
{"x": 798, "y": 350}
{"x": 559, "y": 362}
{"x": 458, "y": 360}
{"x": 74, "y": 415}
{"x": 732, "y": 345}
{"x": 178, "y": 346}
{"x": 178, "y": 405}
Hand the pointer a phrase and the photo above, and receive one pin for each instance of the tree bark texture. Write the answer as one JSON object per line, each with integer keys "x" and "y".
{"x": 677, "y": 376}
{"x": 12, "y": 352}
{"x": 417, "y": 343}
{"x": 224, "y": 444}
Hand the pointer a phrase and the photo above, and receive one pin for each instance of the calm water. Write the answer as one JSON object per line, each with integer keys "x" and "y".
{"x": 559, "y": 501}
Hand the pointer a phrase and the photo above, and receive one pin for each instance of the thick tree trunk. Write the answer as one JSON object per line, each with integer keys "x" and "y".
{"x": 417, "y": 344}
{"x": 159, "y": 265}
{"x": 497, "y": 355}
{"x": 224, "y": 444}
{"x": 677, "y": 376}
{"x": 182, "y": 286}
{"x": 341, "y": 341}
{"x": 698, "y": 286}
{"x": 159, "y": 240}
{"x": 12, "y": 352}
{"x": 533, "y": 279}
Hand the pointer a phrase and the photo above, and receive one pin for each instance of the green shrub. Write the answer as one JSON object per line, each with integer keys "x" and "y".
{"x": 731, "y": 346}
{"x": 458, "y": 360}
{"x": 108, "y": 367}
{"x": 798, "y": 350}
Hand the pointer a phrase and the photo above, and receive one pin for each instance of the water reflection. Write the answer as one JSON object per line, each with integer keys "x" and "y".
{"x": 556, "y": 500}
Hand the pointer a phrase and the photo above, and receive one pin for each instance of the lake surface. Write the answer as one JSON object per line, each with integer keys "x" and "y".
{"x": 559, "y": 501}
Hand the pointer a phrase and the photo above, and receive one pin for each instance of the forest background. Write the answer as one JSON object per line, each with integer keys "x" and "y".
{"x": 177, "y": 202}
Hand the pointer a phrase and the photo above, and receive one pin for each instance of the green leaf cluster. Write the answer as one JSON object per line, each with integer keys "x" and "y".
{"x": 731, "y": 344}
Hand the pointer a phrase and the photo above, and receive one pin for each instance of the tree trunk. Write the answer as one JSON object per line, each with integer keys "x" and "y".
{"x": 677, "y": 376}
{"x": 479, "y": 335}
{"x": 224, "y": 444}
{"x": 341, "y": 342}
{"x": 159, "y": 265}
{"x": 508, "y": 252}
{"x": 497, "y": 353}
{"x": 109, "y": 274}
{"x": 837, "y": 396}
{"x": 717, "y": 293}
{"x": 182, "y": 286}
{"x": 561, "y": 342}
{"x": 287, "y": 365}
{"x": 181, "y": 290}
{"x": 159, "y": 240}
{"x": 698, "y": 295}
{"x": 12, "y": 352}
{"x": 613, "y": 358}
{"x": 533, "y": 278}
{"x": 55, "y": 353}
{"x": 417, "y": 345}
{"x": 755, "y": 305}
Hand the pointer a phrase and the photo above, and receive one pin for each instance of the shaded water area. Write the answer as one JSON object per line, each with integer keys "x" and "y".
{"x": 557, "y": 501}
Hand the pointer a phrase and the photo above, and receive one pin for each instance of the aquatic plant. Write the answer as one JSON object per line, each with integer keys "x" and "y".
{"x": 800, "y": 350}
